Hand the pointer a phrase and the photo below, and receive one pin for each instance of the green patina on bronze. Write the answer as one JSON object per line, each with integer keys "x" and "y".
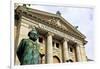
{"x": 28, "y": 50}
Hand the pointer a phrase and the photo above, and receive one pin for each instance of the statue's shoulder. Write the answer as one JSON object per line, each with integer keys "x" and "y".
{"x": 25, "y": 40}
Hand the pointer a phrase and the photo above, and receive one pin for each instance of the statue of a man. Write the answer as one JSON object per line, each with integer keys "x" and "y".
{"x": 28, "y": 50}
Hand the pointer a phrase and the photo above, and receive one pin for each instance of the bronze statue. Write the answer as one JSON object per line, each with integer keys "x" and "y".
{"x": 28, "y": 50}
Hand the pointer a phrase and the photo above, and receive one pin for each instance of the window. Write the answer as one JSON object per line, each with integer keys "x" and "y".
{"x": 40, "y": 39}
{"x": 71, "y": 50}
{"x": 53, "y": 44}
{"x": 57, "y": 45}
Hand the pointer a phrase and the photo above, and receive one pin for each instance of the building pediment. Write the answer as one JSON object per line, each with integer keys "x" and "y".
{"x": 53, "y": 20}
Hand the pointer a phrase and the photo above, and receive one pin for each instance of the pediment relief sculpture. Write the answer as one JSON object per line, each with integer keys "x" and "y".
{"x": 53, "y": 20}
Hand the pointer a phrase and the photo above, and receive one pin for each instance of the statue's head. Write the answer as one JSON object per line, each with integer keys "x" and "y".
{"x": 33, "y": 34}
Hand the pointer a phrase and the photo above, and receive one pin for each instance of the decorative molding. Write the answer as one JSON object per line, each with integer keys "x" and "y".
{"x": 47, "y": 28}
{"x": 30, "y": 12}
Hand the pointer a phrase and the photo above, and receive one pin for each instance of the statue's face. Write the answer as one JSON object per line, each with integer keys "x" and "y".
{"x": 33, "y": 35}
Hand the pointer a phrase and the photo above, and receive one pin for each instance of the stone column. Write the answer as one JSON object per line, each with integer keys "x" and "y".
{"x": 65, "y": 50}
{"x": 83, "y": 53}
{"x": 49, "y": 48}
{"x": 78, "y": 53}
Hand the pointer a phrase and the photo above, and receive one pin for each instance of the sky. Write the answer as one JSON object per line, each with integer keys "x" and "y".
{"x": 77, "y": 16}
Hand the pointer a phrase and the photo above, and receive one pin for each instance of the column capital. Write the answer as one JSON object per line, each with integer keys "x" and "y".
{"x": 50, "y": 33}
{"x": 80, "y": 44}
{"x": 77, "y": 45}
{"x": 65, "y": 39}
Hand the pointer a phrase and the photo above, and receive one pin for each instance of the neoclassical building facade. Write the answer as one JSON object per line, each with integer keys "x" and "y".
{"x": 59, "y": 41}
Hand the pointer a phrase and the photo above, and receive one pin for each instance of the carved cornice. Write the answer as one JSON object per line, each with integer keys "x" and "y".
{"x": 52, "y": 22}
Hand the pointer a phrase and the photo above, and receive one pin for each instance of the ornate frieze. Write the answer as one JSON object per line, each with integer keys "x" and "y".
{"x": 47, "y": 28}
{"x": 50, "y": 19}
{"x": 52, "y": 22}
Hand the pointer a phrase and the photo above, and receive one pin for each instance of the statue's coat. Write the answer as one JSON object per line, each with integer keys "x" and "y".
{"x": 28, "y": 52}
